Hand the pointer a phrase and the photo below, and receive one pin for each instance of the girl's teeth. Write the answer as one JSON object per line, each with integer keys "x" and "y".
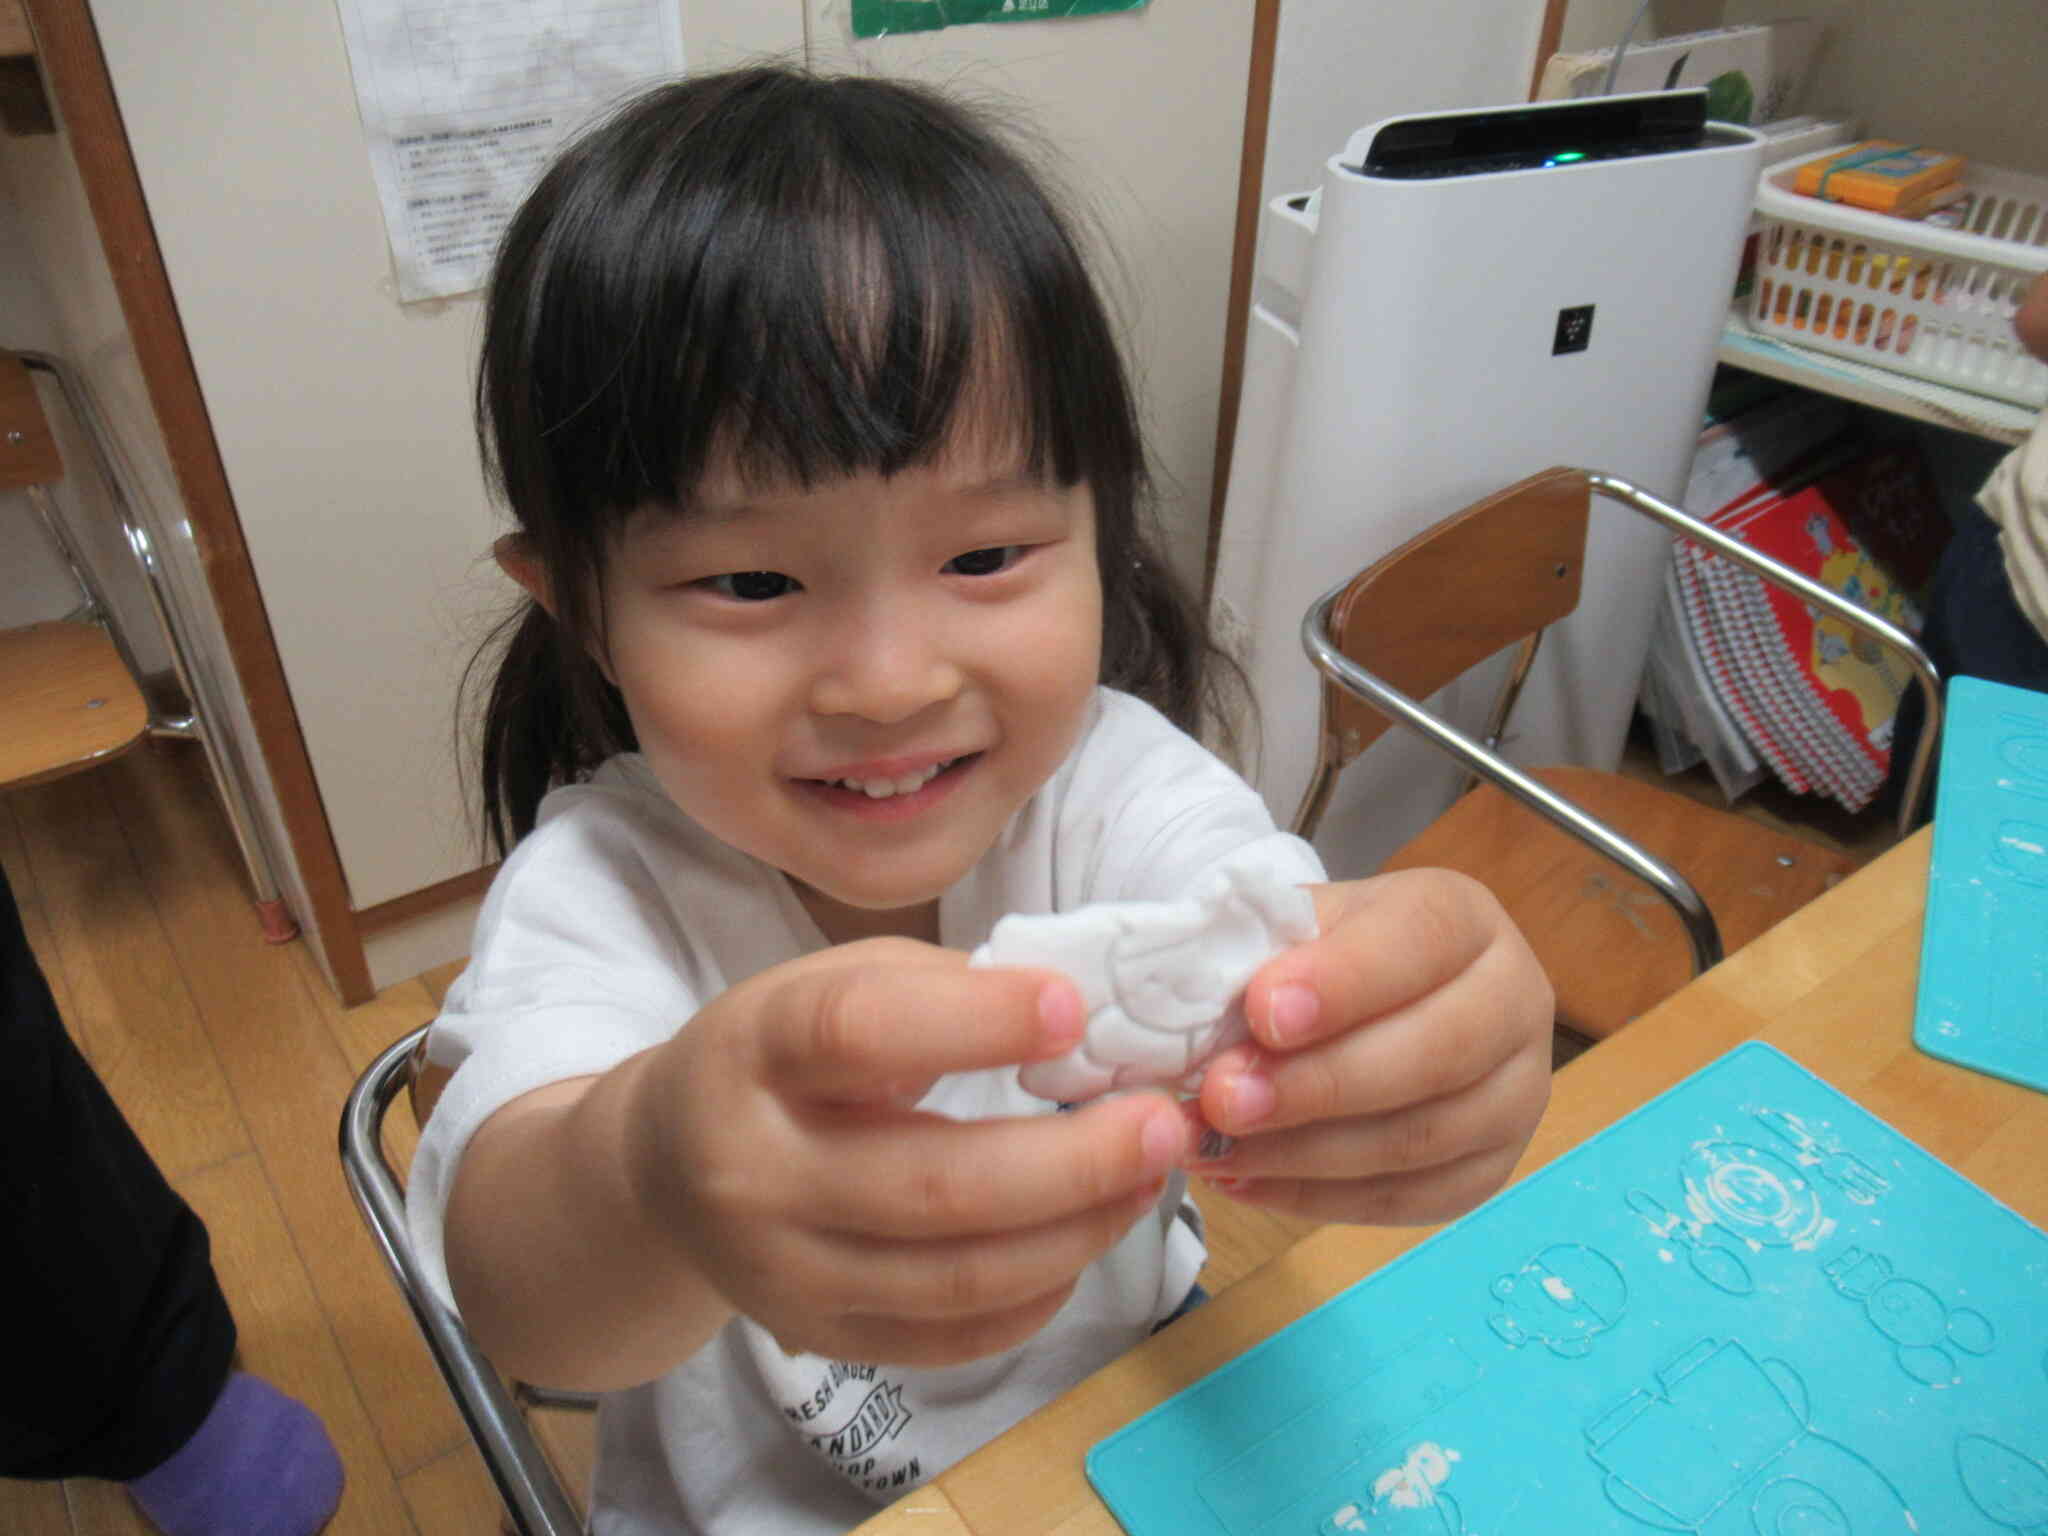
{"x": 882, "y": 789}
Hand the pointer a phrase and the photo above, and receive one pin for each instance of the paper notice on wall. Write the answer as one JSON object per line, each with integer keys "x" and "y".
{"x": 463, "y": 102}
{"x": 879, "y": 18}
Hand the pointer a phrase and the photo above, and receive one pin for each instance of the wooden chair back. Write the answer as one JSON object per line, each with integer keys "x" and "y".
{"x": 28, "y": 448}
{"x": 1494, "y": 574}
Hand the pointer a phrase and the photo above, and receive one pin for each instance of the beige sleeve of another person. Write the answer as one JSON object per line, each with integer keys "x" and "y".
{"x": 2016, "y": 495}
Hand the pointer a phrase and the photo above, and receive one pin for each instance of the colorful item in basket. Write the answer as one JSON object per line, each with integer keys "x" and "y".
{"x": 1906, "y": 180}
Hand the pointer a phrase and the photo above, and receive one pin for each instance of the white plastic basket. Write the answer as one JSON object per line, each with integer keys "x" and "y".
{"x": 1912, "y": 297}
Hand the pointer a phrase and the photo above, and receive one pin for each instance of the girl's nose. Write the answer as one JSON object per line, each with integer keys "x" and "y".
{"x": 885, "y": 668}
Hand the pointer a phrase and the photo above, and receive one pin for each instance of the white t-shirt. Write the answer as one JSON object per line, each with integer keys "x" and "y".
{"x": 2015, "y": 497}
{"x": 618, "y": 917}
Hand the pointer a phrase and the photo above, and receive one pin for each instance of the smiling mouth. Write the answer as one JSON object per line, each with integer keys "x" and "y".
{"x": 906, "y": 784}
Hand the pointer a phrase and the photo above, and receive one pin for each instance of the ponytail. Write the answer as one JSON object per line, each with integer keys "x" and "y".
{"x": 1156, "y": 641}
{"x": 550, "y": 718}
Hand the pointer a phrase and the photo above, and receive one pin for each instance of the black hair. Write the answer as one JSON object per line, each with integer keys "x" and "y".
{"x": 806, "y": 277}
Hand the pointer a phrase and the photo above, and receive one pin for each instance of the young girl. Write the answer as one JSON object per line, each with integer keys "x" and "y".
{"x": 846, "y": 641}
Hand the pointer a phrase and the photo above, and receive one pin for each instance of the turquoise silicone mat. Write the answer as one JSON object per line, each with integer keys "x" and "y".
{"x": 1983, "y": 1000}
{"x": 1749, "y": 1307}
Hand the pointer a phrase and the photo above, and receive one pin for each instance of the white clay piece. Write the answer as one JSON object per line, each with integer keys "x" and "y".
{"x": 1163, "y": 981}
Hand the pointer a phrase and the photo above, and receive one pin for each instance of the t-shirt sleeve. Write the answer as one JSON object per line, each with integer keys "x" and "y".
{"x": 575, "y": 967}
{"x": 1150, "y": 811}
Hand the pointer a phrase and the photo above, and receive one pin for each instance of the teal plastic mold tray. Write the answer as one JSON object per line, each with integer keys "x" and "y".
{"x": 1749, "y": 1307}
{"x": 1983, "y": 998}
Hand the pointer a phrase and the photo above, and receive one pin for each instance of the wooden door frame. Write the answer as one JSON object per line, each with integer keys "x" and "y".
{"x": 75, "y": 72}
{"x": 1258, "y": 107}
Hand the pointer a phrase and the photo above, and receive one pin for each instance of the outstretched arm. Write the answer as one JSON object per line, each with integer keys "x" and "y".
{"x": 767, "y": 1161}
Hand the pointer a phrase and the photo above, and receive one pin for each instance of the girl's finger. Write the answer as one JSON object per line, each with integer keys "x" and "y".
{"x": 1385, "y": 942}
{"x": 1422, "y": 1050}
{"x": 924, "y": 1176}
{"x": 1499, "y": 1111}
{"x": 957, "y": 1279}
{"x": 855, "y": 1029}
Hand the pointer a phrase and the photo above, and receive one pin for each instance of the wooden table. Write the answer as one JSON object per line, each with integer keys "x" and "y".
{"x": 1832, "y": 987}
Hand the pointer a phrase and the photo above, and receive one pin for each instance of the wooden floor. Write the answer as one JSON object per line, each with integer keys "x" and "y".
{"x": 231, "y": 1058}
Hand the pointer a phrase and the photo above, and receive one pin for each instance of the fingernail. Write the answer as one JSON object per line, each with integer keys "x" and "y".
{"x": 1250, "y": 1100}
{"x": 1061, "y": 1021}
{"x": 1291, "y": 1013}
{"x": 1210, "y": 1144}
{"x": 1163, "y": 1140}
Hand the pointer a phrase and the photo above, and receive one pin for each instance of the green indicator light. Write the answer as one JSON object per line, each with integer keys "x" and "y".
{"x": 1567, "y": 156}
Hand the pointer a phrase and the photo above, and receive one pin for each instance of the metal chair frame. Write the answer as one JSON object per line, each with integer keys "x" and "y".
{"x": 1480, "y": 758}
{"x": 230, "y": 774}
{"x": 534, "y": 1498}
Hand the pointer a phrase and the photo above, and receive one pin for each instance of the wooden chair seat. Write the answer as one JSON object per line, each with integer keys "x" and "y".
{"x": 1576, "y": 906}
{"x": 69, "y": 702}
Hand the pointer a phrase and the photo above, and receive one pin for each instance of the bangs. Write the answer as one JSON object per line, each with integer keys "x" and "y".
{"x": 798, "y": 279}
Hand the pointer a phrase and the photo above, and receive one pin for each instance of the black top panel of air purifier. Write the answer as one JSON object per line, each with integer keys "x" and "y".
{"x": 1540, "y": 136}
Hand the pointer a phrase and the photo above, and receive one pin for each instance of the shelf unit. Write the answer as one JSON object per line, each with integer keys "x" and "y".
{"x": 1742, "y": 346}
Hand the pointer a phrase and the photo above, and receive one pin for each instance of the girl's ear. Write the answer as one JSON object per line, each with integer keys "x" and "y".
{"x": 515, "y": 557}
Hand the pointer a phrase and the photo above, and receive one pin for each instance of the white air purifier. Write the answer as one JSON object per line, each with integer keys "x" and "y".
{"x": 1471, "y": 297}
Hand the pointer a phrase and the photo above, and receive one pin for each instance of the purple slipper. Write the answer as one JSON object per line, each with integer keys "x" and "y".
{"x": 261, "y": 1465}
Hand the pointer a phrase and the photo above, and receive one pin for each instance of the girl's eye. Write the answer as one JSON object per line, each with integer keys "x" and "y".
{"x": 751, "y": 586}
{"x": 986, "y": 562}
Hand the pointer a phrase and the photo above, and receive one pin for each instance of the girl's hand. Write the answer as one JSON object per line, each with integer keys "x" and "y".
{"x": 1399, "y": 1062}
{"x": 776, "y": 1139}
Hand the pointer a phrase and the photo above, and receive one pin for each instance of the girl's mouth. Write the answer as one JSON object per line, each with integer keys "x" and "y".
{"x": 883, "y": 789}
{"x": 902, "y": 787}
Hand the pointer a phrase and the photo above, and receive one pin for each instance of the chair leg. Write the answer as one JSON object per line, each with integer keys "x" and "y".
{"x": 1567, "y": 1045}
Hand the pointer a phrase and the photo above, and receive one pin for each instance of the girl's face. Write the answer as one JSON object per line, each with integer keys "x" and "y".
{"x": 861, "y": 682}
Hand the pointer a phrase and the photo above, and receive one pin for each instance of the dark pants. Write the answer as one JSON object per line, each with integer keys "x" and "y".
{"x": 117, "y": 1337}
{"x": 1974, "y": 628}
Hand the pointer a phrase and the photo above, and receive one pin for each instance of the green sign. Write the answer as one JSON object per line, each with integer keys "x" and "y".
{"x": 879, "y": 18}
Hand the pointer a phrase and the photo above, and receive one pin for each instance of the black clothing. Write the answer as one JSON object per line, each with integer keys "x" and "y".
{"x": 118, "y": 1338}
